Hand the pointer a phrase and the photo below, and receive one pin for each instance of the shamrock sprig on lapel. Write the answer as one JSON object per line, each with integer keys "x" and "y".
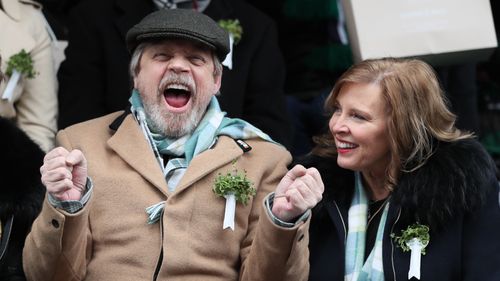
{"x": 22, "y": 63}
{"x": 17, "y": 65}
{"x": 414, "y": 231}
{"x": 415, "y": 238}
{"x": 234, "y": 182}
{"x": 233, "y": 27}
{"x": 234, "y": 187}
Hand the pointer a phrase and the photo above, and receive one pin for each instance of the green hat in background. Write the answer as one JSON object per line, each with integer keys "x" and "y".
{"x": 182, "y": 24}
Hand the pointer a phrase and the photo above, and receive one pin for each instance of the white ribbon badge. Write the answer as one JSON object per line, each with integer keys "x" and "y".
{"x": 8, "y": 93}
{"x": 416, "y": 247}
{"x": 230, "y": 211}
{"x": 228, "y": 61}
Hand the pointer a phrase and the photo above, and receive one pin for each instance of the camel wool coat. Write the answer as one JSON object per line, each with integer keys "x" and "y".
{"x": 109, "y": 239}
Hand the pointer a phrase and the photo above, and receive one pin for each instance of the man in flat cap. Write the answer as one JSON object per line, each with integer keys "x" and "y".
{"x": 95, "y": 75}
{"x": 172, "y": 189}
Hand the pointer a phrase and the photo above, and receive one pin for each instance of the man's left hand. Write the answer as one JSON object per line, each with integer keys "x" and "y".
{"x": 299, "y": 190}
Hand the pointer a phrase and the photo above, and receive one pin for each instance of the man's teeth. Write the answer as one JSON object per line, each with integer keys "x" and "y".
{"x": 177, "y": 87}
{"x": 344, "y": 145}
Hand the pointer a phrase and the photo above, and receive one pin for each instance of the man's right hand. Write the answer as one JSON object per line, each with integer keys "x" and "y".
{"x": 64, "y": 173}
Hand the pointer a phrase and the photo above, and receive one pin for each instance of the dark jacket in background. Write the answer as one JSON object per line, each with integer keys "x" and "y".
{"x": 94, "y": 80}
{"x": 455, "y": 193}
{"x": 21, "y": 196}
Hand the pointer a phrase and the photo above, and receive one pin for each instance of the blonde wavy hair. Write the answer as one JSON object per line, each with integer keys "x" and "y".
{"x": 418, "y": 111}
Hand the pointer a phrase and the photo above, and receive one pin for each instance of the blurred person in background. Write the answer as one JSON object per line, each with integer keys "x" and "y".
{"x": 32, "y": 101}
{"x": 21, "y": 194}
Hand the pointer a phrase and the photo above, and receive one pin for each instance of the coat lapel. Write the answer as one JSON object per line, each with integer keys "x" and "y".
{"x": 226, "y": 151}
{"x": 339, "y": 218}
{"x": 12, "y": 9}
{"x": 130, "y": 144}
{"x": 10, "y": 28}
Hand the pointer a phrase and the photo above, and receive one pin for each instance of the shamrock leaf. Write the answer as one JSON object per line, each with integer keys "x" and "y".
{"x": 22, "y": 63}
{"x": 233, "y": 27}
{"x": 235, "y": 183}
{"x": 416, "y": 230}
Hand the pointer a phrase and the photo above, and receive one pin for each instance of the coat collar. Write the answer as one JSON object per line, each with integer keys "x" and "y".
{"x": 10, "y": 25}
{"x": 224, "y": 152}
{"x": 13, "y": 7}
{"x": 130, "y": 144}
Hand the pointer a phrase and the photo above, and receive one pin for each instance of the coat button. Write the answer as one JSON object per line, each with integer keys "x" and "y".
{"x": 55, "y": 223}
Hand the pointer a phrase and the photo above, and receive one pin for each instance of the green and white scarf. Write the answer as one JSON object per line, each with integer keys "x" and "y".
{"x": 184, "y": 149}
{"x": 356, "y": 269}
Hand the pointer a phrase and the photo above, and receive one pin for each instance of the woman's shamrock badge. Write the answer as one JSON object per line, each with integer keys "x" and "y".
{"x": 17, "y": 65}
{"x": 235, "y": 187}
{"x": 415, "y": 238}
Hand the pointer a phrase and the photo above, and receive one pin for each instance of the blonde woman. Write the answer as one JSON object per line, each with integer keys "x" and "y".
{"x": 400, "y": 181}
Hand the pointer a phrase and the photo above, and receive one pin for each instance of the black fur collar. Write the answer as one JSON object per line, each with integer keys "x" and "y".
{"x": 456, "y": 179}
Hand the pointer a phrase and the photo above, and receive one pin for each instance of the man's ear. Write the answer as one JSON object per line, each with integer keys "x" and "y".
{"x": 135, "y": 82}
{"x": 217, "y": 84}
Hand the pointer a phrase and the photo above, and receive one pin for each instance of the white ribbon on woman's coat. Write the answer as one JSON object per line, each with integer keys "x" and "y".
{"x": 416, "y": 247}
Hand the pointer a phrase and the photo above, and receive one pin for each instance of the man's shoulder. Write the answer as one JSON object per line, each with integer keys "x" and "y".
{"x": 259, "y": 148}
{"x": 94, "y": 125}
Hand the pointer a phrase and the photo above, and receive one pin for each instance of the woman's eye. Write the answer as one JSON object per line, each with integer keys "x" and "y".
{"x": 358, "y": 116}
{"x": 335, "y": 109}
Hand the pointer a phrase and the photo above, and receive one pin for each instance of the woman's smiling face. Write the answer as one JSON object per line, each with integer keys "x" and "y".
{"x": 359, "y": 127}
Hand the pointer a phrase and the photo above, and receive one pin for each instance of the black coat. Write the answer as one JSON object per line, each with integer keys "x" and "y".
{"x": 94, "y": 80}
{"x": 21, "y": 196}
{"x": 455, "y": 193}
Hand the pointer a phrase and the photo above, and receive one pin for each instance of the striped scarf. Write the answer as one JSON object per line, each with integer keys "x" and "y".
{"x": 356, "y": 269}
{"x": 182, "y": 150}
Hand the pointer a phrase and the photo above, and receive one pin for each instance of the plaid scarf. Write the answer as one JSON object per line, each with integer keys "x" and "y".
{"x": 184, "y": 149}
{"x": 355, "y": 267}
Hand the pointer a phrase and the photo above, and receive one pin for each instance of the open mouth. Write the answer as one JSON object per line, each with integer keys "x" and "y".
{"x": 177, "y": 95}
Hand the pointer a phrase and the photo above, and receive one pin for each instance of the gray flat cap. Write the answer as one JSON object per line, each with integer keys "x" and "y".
{"x": 180, "y": 23}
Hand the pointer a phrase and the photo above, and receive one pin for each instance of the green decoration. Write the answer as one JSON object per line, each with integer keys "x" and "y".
{"x": 416, "y": 230}
{"x": 22, "y": 63}
{"x": 235, "y": 183}
{"x": 233, "y": 27}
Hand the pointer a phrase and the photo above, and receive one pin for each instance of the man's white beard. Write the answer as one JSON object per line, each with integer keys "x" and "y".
{"x": 172, "y": 125}
{"x": 175, "y": 125}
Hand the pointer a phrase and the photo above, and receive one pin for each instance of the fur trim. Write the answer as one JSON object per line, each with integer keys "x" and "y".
{"x": 21, "y": 189}
{"x": 455, "y": 180}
